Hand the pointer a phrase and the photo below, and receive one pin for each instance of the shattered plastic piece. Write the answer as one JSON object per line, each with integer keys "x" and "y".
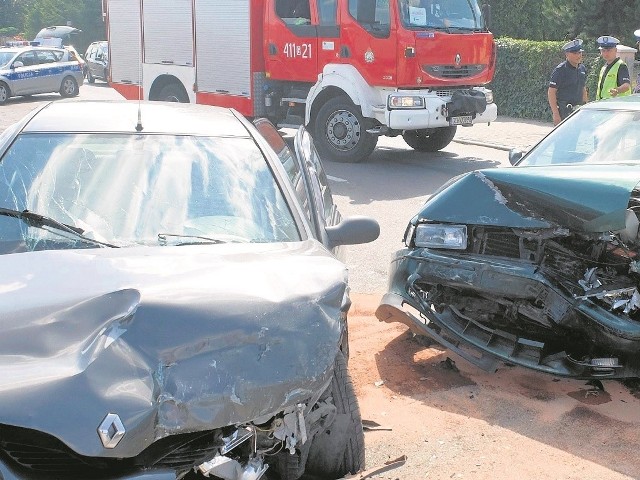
{"x": 370, "y": 425}
{"x": 590, "y": 280}
{"x": 379, "y": 383}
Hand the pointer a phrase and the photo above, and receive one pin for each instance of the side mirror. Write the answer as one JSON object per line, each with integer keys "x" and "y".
{"x": 17, "y": 64}
{"x": 353, "y": 230}
{"x": 515, "y": 155}
{"x": 486, "y": 14}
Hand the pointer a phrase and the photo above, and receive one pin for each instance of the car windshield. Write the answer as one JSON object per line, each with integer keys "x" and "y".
{"x": 6, "y": 56}
{"x": 128, "y": 190}
{"x": 590, "y": 136}
{"x": 445, "y": 14}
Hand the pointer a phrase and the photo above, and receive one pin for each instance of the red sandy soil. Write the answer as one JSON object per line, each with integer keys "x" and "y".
{"x": 453, "y": 420}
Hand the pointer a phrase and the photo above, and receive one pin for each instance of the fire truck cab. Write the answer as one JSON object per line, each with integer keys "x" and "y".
{"x": 350, "y": 70}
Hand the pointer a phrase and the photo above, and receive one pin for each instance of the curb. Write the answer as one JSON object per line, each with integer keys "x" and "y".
{"x": 497, "y": 146}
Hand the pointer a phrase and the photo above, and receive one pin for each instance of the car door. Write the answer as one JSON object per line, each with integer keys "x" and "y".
{"x": 25, "y": 75}
{"x": 49, "y": 71}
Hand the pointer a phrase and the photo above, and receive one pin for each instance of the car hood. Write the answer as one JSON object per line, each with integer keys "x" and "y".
{"x": 587, "y": 198}
{"x": 171, "y": 339}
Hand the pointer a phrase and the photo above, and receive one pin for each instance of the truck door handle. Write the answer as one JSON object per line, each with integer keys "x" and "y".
{"x": 345, "y": 52}
{"x": 273, "y": 50}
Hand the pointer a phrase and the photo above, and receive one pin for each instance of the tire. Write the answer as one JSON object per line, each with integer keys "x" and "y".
{"x": 422, "y": 141}
{"x": 4, "y": 93}
{"x": 69, "y": 87}
{"x": 339, "y": 451}
{"x": 173, "y": 93}
{"x": 90, "y": 78}
{"x": 340, "y": 132}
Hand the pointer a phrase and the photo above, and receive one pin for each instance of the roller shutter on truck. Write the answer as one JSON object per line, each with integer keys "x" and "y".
{"x": 124, "y": 41}
{"x": 168, "y": 32}
{"x": 223, "y": 35}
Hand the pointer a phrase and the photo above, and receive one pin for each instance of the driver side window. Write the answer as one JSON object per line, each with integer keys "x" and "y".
{"x": 294, "y": 12}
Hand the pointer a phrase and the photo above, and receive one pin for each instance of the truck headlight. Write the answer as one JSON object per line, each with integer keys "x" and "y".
{"x": 405, "y": 101}
{"x": 488, "y": 94}
{"x": 432, "y": 235}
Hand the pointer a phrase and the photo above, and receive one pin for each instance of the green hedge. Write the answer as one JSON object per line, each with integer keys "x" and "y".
{"x": 522, "y": 76}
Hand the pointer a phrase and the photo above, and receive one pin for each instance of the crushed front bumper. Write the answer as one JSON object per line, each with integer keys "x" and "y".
{"x": 484, "y": 346}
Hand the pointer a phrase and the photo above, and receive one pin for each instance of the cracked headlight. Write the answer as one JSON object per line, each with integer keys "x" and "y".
{"x": 405, "y": 101}
{"x": 441, "y": 236}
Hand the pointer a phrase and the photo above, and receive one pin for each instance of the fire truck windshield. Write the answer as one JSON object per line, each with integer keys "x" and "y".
{"x": 441, "y": 14}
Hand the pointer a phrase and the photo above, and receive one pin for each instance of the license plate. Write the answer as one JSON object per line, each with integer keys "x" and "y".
{"x": 463, "y": 120}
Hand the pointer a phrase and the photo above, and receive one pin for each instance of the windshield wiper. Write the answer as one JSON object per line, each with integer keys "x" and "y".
{"x": 41, "y": 221}
{"x": 163, "y": 239}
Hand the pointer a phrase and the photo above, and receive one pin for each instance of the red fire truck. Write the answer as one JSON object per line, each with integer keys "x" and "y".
{"x": 351, "y": 70}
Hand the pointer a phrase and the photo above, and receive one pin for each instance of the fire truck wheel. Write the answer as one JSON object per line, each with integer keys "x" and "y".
{"x": 422, "y": 141}
{"x": 340, "y": 132}
{"x": 173, "y": 93}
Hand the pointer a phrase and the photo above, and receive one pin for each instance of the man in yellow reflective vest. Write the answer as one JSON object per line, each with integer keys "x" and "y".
{"x": 614, "y": 80}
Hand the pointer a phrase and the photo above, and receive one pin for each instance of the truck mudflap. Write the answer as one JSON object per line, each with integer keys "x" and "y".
{"x": 486, "y": 347}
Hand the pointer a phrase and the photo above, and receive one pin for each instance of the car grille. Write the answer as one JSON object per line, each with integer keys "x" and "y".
{"x": 452, "y": 72}
{"x": 501, "y": 244}
{"x": 35, "y": 452}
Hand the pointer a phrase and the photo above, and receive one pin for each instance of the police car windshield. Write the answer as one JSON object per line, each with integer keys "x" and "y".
{"x": 6, "y": 56}
{"x": 441, "y": 14}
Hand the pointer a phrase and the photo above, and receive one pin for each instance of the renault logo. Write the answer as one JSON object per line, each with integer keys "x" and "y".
{"x": 458, "y": 59}
{"x": 111, "y": 430}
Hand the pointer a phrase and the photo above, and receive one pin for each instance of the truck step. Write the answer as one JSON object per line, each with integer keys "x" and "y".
{"x": 293, "y": 100}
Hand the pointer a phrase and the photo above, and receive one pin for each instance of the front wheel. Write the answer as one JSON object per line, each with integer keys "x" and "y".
{"x": 339, "y": 450}
{"x": 4, "y": 93}
{"x": 429, "y": 140}
{"x": 340, "y": 132}
{"x": 69, "y": 87}
{"x": 173, "y": 93}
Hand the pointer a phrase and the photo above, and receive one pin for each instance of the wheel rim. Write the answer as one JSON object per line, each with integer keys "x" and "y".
{"x": 3, "y": 93}
{"x": 343, "y": 130}
{"x": 69, "y": 87}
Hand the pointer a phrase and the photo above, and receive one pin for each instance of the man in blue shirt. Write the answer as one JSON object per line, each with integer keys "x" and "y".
{"x": 567, "y": 85}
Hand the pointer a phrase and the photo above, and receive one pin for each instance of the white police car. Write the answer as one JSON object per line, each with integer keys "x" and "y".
{"x": 30, "y": 70}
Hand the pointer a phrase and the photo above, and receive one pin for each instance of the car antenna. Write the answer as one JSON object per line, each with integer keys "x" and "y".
{"x": 139, "y": 126}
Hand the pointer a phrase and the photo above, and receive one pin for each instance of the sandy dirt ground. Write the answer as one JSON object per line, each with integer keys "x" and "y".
{"x": 452, "y": 420}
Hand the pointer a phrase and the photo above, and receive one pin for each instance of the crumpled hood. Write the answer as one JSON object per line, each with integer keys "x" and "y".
{"x": 587, "y": 198}
{"x": 172, "y": 339}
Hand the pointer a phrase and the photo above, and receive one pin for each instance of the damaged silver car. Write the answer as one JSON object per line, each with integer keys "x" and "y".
{"x": 173, "y": 303}
{"x": 536, "y": 265}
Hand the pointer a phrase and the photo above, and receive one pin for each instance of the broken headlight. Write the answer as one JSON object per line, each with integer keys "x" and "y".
{"x": 441, "y": 236}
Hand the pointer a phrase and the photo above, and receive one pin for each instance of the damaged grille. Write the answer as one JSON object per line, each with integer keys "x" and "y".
{"x": 39, "y": 453}
{"x": 497, "y": 243}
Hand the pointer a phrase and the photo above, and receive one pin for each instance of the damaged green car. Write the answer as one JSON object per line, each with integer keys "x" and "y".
{"x": 537, "y": 265}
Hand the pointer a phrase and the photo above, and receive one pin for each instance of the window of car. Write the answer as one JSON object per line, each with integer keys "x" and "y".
{"x": 590, "y": 136}
{"x": 47, "y": 56}
{"x": 141, "y": 190}
{"x": 6, "y": 56}
{"x": 28, "y": 58}
{"x": 372, "y": 15}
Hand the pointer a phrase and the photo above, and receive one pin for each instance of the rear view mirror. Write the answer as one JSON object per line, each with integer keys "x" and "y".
{"x": 353, "y": 230}
{"x": 515, "y": 155}
{"x": 17, "y": 64}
